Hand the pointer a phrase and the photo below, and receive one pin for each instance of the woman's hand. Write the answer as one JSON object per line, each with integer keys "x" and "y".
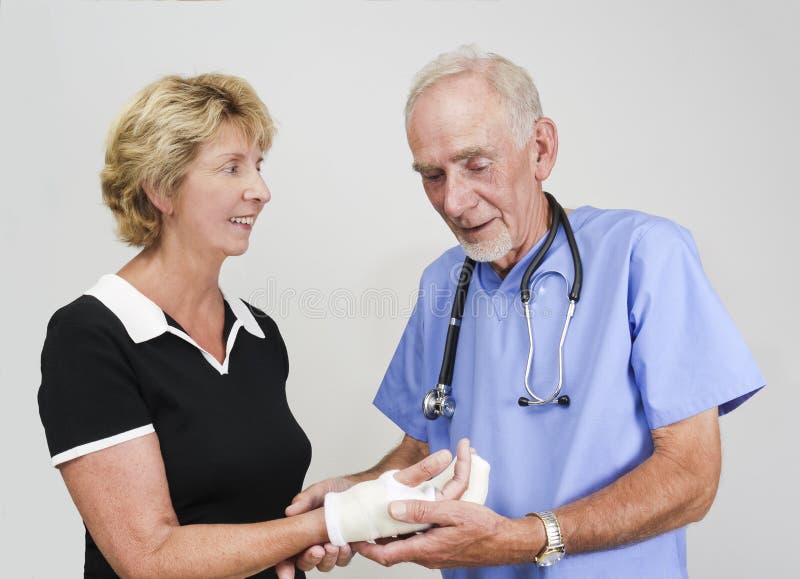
{"x": 326, "y": 557}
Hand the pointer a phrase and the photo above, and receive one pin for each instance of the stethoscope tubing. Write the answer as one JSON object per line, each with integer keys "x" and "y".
{"x": 438, "y": 401}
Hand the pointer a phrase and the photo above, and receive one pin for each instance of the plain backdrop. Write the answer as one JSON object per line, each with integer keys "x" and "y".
{"x": 682, "y": 109}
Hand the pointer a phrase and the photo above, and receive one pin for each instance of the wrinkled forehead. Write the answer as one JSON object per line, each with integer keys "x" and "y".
{"x": 457, "y": 104}
{"x": 457, "y": 113}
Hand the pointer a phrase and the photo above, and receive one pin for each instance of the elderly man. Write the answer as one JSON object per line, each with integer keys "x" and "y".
{"x": 600, "y": 477}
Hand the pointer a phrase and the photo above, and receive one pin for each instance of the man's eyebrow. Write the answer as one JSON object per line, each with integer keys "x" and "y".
{"x": 423, "y": 167}
{"x": 472, "y": 152}
{"x": 463, "y": 154}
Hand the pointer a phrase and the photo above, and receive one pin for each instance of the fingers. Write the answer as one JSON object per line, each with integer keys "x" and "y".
{"x": 390, "y": 553}
{"x": 285, "y": 569}
{"x": 308, "y": 500}
{"x": 324, "y": 558}
{"x": 374, "y": 552}
{"x": 425, "y": 469}
{"x": 310, "y": 558}
{"x": 329, "y": 559}
{"x": 346, "y": 554}
{"x": 314, "y": 496}
{"x": 457, "y": 485}
{"x": 441, "y": 513}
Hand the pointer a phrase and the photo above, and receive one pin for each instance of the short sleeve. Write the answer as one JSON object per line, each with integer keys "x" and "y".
{"x": 89, "y": 397}
{"x": 400, "y": 394}
{"x": 687, "y": 355}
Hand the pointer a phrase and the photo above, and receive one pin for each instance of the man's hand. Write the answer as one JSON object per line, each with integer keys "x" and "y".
{"x": 326, "y": 557}
{"x": 465, "y": 535}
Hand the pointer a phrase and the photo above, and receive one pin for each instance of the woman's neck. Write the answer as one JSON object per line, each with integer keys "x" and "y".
{"x": 179, "y": 282}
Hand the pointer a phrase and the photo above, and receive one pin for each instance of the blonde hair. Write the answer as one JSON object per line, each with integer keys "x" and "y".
{"x": 511, "y": 82}
{"x": 157, "y": 135}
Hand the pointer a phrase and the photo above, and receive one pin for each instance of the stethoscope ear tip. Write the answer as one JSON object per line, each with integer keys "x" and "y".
{"x": 561, "y": 401}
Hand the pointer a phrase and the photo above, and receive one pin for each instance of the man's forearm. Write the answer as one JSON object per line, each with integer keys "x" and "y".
{"x": 409, "y": 451}
{"x": 675, "y": 486}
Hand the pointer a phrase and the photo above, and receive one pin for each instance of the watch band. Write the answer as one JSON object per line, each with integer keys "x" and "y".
{"x": 553, "y": 550}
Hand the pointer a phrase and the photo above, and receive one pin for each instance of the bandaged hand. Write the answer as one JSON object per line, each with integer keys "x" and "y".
{"x": 361, "y": 512}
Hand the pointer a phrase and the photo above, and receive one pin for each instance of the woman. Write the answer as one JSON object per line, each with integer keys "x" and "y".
{"x": 163, "y": 400}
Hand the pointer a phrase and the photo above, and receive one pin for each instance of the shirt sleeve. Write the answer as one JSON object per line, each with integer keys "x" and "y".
{"x": 400, "y": 394}
{"x": 687, "y": 355}
{"x": 89, "y": 397}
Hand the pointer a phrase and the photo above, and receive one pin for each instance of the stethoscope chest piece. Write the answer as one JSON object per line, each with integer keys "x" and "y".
{"x": 438, "y": 402}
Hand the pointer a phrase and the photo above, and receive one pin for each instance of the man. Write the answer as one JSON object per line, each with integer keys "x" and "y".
{"x": 650, "y": 359}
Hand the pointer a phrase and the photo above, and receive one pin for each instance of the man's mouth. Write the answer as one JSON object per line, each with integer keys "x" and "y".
{"x": 477, "y": 228}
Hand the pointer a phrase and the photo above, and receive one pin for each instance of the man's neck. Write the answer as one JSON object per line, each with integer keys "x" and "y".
{"x": 539, "y": 220}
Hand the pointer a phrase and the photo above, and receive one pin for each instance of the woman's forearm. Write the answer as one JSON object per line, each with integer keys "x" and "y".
{"x": 223, "y": 551}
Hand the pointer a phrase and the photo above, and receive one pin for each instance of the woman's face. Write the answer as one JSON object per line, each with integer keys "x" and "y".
{"x": 219, "y": 200}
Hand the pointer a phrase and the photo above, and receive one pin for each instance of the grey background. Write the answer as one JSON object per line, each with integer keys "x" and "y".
{"x": 683, "y": 109}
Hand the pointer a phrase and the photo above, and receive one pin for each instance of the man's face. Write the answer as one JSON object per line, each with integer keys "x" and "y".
{"x": 475, "y": 175}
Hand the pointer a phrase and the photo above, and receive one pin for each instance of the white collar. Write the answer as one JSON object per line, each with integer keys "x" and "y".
{"x": 143, "y": 319}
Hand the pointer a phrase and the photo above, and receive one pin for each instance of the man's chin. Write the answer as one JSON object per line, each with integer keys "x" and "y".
{"x": 489, "y": 250}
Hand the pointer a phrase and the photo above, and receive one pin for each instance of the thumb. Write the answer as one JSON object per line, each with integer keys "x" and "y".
{"x": 412, "y": 511}
{"x": 300, "y": 504}
{"x": 285, "y": 569}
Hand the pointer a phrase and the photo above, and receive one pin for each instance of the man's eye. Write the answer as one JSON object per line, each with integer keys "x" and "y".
{"x": 432, "y": 177}
{"x": 478, "y": 166}
{"x": 231, "y": 169}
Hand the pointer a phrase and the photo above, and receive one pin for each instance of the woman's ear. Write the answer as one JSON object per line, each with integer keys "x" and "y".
{"x": 159, "y": 201}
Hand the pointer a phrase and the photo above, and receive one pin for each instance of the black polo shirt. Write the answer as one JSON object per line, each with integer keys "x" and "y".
{"x": 116, "y": 367}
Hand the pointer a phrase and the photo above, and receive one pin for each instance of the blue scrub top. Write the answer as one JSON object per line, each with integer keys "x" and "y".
{"x": 650, "y": 344}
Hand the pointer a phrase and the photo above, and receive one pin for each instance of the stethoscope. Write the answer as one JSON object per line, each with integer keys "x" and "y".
{"x": 439, "y": 400}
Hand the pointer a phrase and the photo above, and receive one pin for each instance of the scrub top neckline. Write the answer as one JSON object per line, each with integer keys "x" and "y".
{"x": 491, "y": 281}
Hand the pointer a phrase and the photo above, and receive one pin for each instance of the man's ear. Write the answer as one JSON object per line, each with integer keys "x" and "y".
{"x": 545, "y": 147}
{"x": 161, "y": 202}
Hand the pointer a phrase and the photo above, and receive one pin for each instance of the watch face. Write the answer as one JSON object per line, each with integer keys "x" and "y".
{"x": 550, "y": 558}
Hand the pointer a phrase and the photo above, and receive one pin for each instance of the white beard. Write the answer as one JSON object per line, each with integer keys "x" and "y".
{"x": 489, "y": 250}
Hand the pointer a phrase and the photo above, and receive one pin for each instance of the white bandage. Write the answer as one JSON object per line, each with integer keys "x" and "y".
{"x": 361, "y": 513}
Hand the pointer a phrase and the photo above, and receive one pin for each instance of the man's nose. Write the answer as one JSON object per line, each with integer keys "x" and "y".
{"x": 458, "y": 196}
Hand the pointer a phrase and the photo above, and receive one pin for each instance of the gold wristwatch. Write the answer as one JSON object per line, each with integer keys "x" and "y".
{"x": 553, "y": 550}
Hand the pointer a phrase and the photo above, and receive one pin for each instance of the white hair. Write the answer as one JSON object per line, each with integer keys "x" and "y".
{"x": 511, "y": 82}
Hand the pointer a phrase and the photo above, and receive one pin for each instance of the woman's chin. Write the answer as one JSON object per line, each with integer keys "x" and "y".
{"x": 237, "y": 249}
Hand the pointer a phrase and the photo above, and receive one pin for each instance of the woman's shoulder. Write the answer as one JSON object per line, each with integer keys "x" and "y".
{"x": 84, "y": 314}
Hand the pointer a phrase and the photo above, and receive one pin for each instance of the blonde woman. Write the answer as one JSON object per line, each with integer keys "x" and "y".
{"x": 163, "y": 399}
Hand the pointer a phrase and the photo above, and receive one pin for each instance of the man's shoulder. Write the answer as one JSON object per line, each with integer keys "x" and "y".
{"x": 625, "y": 225}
